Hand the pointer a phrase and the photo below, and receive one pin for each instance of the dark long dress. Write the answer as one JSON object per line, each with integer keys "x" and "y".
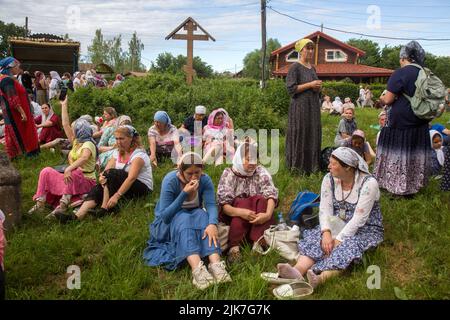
{"x": 403, "y": 162}
{"x": 304, "y": 133}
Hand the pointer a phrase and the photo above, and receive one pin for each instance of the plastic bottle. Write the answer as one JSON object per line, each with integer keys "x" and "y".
{"x": 282, "y": 225}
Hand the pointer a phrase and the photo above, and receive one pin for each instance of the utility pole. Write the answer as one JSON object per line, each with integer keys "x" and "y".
{"x": 26, "y": 26}
{"x": 264, "y": 44}
{"x": 321, "y": 27}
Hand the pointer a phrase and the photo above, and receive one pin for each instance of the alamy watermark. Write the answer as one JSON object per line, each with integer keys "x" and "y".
{"x": 374, "y": 280}
{"x": 374, "y": 19}
{"x": 74, "y": 279}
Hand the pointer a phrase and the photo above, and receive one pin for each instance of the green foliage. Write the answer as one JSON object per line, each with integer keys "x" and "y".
{"x": 8, "y": 30}
{"x": 413, "y": 261}
{"x": 252, "y": 61}
{"x": 111, "y": 53}
{"x": 140, "y": 98}
{"x": 167, "y": 63}
{"x": 349, "y": 89}
{"x": 372, "y": 49}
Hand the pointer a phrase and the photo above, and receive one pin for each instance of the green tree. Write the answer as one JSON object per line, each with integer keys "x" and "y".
{"x": 168, "y": 63}
{"x": 135, "y": 47}
{"x": 117, "y": 57}
{"x": 252, "y": 61}
{"x": 372, "y": 49}
{"x": 6, "y": 31}
{"x": 390, "y": 57}
{"x": 98, "y": 51}
{"x": 442, "y": 69}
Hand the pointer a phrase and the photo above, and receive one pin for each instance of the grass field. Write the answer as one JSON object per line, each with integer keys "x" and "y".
{"x": 414, "y": 258}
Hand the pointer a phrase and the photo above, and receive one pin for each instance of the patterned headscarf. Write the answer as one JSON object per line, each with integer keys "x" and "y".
{"x": 83, "y": 132}
{"x": 413, "y": 51}
{"x": 6, "y": 65}
{"x": 351, "y": 158}
{"x": 122, "y": 118}
{"x": 131, "y": 130}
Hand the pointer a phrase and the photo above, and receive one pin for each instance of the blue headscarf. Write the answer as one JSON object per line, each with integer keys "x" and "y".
{"x": 6, "y": 64}
{"x": 83, "y": 133}
{"x": 162, "y": 117}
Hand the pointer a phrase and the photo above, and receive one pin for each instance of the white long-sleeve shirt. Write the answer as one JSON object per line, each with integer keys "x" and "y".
{"x": 370, "y": 193}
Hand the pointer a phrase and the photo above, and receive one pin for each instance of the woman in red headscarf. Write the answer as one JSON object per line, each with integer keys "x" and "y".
{"x": 20, "y": 130}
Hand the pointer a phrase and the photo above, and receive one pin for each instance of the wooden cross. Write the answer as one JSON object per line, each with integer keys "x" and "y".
{"x": 190, "y": 25}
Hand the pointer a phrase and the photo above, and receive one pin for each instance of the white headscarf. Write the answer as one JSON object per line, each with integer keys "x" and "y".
{"x": 55, "y": 75}
{"x": 50, "y": 114}
{"x": 440, "y": 151}
{"x": 351, "y": 158}
{"x": 238, "y": 164}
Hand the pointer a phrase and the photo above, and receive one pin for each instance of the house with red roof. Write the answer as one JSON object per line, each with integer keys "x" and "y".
{"x": 333, "y": 60}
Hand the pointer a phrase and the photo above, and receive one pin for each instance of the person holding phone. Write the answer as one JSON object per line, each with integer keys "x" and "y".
{"x": 21, "y": 135}
{"x": 182, "y": 229}
{"x": 304, "y": 132}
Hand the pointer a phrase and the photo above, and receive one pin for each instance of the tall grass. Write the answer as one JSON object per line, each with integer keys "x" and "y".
{"x": 414, "y": 258}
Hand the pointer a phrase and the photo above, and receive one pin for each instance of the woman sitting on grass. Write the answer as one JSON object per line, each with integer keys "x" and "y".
{"x": 182, "y": 229}
{"x": 107, "y": 143}
{"x": 78, "y": 178}
{"x": 218, "y": 137}
{"x": 163, "y": 137}
{"x": 49, "y": 126}
{"x": 128, "y": 174}
{"x": 247, "y": 197}
{"x": 350, "y": 221}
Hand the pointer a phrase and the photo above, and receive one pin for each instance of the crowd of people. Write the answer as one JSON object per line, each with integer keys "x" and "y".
{"x": 108, "y": 163}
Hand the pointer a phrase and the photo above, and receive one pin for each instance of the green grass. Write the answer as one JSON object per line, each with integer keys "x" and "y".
{"x": 413, "y": 258}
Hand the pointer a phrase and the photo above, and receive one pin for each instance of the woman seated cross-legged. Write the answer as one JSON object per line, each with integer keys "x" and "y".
{"x": 350, "y": 221}
{"x": 128, "y": 174}
{"x": 247, "y": 197}
{"x": 182, "y": 230}
{"x": 49, "y": 127}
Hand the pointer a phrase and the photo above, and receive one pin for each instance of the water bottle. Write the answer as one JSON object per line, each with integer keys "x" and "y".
{"x": 282, "y": 225}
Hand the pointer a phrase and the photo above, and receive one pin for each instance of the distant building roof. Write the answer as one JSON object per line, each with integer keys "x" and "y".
{"x": 342, "y": 69}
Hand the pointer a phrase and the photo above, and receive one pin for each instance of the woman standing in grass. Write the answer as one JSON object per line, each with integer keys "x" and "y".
{"x": 350, "y": 221}
{"x": 304, "y": 132}
{"x": 20, "y": 131}
{"x": 247, "y": 197}
{"x": 403, "y": 161}
{"x": 182, "y": 229}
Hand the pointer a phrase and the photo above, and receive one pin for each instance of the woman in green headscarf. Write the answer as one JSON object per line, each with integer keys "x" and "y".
{"x": 304, "y": 132}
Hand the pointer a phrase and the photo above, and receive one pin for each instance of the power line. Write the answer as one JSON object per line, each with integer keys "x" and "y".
{"x": 356, "y": 33}
{"x": 384, "y": 4}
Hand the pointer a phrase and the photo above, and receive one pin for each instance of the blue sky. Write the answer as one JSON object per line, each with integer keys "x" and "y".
{"x": 234, "y": 23}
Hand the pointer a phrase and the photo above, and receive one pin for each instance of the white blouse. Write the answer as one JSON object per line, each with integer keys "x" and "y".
{"x": 368, "y": 195}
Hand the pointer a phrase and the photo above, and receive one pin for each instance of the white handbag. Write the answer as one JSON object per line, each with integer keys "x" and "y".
{"x": 285, "y": 242}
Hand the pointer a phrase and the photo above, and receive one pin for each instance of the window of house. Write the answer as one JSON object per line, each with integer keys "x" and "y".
{"x": 335, "y": 56}
{"x": 292, "y": 56}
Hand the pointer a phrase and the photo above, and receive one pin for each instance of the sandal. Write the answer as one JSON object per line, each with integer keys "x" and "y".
{"x": 293, "y": 291}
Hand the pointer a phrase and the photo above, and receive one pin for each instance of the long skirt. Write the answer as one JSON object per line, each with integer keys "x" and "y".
{"x": 51, "y": 185}
{"x": 242, "y": 230}
{"x": 403, "y": 161}
{"x": 41, "y": 97}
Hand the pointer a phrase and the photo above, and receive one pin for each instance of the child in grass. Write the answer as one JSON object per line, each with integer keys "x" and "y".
{"x": 346, "y": 126}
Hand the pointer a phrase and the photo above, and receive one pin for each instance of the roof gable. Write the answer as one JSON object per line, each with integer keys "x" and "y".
{"x": 313, "y": 36}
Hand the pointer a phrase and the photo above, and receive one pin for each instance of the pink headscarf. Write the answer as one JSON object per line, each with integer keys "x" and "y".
{"x": 213, "y": 115}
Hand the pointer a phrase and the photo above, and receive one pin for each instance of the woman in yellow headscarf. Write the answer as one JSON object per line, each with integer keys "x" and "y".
{"x": 304, "y": 132}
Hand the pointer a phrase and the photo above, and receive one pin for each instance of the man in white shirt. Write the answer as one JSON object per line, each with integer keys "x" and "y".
{"x": 362, "y": 97}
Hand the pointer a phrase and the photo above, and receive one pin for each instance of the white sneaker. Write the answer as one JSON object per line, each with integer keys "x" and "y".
{"x": 219, "y": 272}
{"x": 201, "y": 278}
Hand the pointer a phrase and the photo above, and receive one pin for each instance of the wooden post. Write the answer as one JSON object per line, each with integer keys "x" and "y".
{"x": 317, "y": 51}
{"x": 264, "y": 44}
{"x": 190, "y": 25}
{"x": 26, "y": 26}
